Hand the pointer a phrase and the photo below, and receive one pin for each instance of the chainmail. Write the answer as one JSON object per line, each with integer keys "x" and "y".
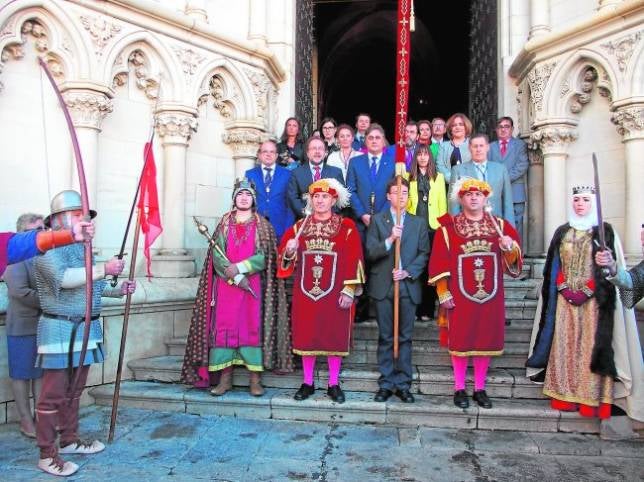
{"x": 631, "y": 297}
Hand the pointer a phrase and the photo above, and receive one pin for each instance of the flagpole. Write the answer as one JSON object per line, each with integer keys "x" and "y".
{"x": 126, "y": 319}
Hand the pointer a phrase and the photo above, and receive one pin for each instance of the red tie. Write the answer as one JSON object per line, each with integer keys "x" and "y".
{"x": 504, "y": 148}
{"x": 316, "y": 175}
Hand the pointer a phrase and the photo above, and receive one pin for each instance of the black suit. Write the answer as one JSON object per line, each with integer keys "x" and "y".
{"x": 301, "y": 179}
{"x": 414, "y": 250}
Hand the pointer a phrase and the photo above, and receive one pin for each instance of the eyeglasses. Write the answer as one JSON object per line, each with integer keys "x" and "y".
{"x": 504, "y": 126}
{"x": 328, "y": 127}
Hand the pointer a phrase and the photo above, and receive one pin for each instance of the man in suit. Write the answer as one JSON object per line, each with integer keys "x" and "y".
{"x": 411, "y": 143}
{"x": 271, "y": 184}
{"x": 512, "y": 152}
{"x": 367, "y": 179}
{"x": 495, "y": 174}
{"x": 314, "y": 170}
{"x": 396, "y": 375}
{"x": 363, "y": 121}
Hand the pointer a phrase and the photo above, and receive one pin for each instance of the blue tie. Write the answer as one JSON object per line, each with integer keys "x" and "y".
{"x": 374, "y": 169}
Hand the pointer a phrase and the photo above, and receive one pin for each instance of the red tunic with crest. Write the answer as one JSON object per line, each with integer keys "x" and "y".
{"x": 328, "y": 261}
{"x": 468, "y": 254}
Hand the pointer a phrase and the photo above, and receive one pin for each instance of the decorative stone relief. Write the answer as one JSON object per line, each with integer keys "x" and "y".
{"x": 538, "y": 79}
{"x": 100, "y": 30}
{"x": 88, "y": 109}
{"x": 553, "y": 139}
{"x": 535, "y": 156}
{"x": 144, "y": 81}
{"x": 189, "y": 59}
{"x": 622, "y": 48}
{"x": 176, "y": 125}
{"x": 243, "y": 141}
{"x": 629, "y": 121}
{"x": 221, "y": 101}
{"x": 261, "y": 86}
{"x": 38, "y": 32}
{"x": 587, "y": 84}
{"x": 565, "y": 88}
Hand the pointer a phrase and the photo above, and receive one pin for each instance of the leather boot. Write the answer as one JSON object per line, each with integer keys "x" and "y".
{"x": 225, "y": 383}
{"x": 255, "y": 386}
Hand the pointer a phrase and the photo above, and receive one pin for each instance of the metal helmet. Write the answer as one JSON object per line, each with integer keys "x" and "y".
{"x": 64, "y": 201}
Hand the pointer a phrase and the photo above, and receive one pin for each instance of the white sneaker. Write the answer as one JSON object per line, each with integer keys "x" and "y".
{"x": 81, "y": 447}
{"x": 57, "y": 466}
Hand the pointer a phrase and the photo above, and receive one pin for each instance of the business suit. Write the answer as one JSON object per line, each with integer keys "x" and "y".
{"x": 271, "y": 202}
{"x": 360, "y": 185}
{"x": 516, "y": 162}
{"x": 414, "y": 250}
{"x": 443, "y": 162}
{"x": 358, "y": 142}
{"x": 497, "y": 177}
{"x": 301, "y": 179}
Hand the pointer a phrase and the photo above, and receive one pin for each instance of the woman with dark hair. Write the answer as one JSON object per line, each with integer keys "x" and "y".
{"x": 344, "y": 150}
{"x": 290, "y": 149}
{"x": 456, "y": 150}
{"x": 328, "y": 129}
{"x": 427, "y": 199}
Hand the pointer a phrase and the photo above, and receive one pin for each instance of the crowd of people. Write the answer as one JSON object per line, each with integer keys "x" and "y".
{"x": 330, "y": 231}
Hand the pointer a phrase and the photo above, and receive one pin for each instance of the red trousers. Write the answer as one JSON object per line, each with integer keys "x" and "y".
{"x": 56, "y": 407}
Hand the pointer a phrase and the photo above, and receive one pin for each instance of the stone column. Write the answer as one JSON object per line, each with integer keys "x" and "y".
{"x": 197, "y": 10}
{"x": 257, "y": 21}
{"x": 244, "y": 141}
{"x": 539, "y": 18}
{"x": 629, "y": 118}
{"x": 174, "y": 124}
{"x": 553, "y": 140}
{"x": 534, "y": 238}
{"x": 88, "y": 104}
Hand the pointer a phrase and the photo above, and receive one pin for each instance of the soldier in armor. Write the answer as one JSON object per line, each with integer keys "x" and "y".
{"x": 471, "y": 252}
{"x": 324, "y": 252}
{"x": 60, "y": 278}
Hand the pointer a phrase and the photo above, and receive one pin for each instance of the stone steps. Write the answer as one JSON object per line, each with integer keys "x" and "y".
{"x": 430, "y": 411}
{"x": 429, "y": 380}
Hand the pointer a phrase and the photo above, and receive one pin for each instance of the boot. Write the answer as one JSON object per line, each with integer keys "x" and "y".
{"x": 225, "y": 383}
{"x": 255, "y": 387}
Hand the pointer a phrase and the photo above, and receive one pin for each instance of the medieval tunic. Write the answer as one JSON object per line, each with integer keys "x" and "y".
{"x": 275, "y": 334}
{"x": 237, "y": 337}
{"x": 467, "y": 252}
{"x": 328, "y": 261}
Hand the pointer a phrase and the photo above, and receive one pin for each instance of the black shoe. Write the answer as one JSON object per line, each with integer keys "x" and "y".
{"x": 460, "y": 399}
{"x": 482, "y": 399}
{"x": 304, "y": 392}
{"x": 406, "y": 396}
{"x": 539, "y": 378}
{"x": 382, "y": 395}
{"x": 336, "y": 393}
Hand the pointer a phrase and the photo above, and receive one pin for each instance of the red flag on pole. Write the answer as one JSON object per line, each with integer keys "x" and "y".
{"x": 149, "y": 204}
{"x": 403, "y": 53}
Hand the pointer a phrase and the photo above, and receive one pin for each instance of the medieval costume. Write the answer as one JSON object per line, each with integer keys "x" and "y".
{"x": 250, "y": 325}
{"x": 630, "y": 284}
{"x": 327, "y": 263}
{"x": 467, "y": 266}
{"x": 583, "y": 339}
{"x": 60, "y": 279}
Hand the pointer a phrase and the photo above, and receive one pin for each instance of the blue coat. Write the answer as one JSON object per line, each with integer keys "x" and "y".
{"x": 516, "y": 162}
{"x": 273, "y": 205}
{"x": 360, "y": 186}
{"x": 301, "y": 179}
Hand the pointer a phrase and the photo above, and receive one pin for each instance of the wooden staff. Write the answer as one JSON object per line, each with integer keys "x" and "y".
{"x": 396, "y": 266}
{"x": 126, "y": 318}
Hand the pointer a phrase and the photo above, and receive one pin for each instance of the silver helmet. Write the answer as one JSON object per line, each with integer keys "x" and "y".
{"x": 68, "y": 200}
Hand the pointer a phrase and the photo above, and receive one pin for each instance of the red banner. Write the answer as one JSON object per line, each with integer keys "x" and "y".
{"x": 403, "y": 53}
{"x": 149, "y": 204}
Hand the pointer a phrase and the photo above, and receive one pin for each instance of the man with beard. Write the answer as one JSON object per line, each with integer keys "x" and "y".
{"x": 60, "y": 278}
{"x": 240, "y": 314}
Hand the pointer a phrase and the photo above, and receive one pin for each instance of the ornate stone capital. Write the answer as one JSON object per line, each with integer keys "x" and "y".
{"x": 553, "y": 139}
{"x": 538, "y": 79}
{"x": 88, "y": 108}
{"x": 629, "y": 120}
{"x": 175, "y": 126}
{"x": 244, "y": 141}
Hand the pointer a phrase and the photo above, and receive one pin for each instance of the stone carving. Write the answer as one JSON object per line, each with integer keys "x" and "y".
{"x": 622, "y": 48}
{"x": 176, "y": 124}
{"x": 14, "y": 52}
{"x": 100, "y": 30}
{"x": 580, "y": 99}
{"x": 538, "y": 79}
{"x": 629, "y": 121}
{"x": 261, "y": 86}
{"x": 553, "y": 139}
{"x": 221, "y": 100}
{"x": 38, "y": 32}
{"x": 149, "y": 84}
{"x": 565, "y": 88}
{"x": 189, "y": 59}
{"x": 88, "y": 109}
{"x": 535, "y": 156}
{"x": 244, "y": 142}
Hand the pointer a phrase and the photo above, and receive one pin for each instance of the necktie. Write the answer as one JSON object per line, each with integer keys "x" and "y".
{"x": 455, "y": 158}
{"x": 504, "y": 148}
{"x": 267, "y": 177}
{"x": 316, "y": 175}
{"x": 482, "y": 171}
{"x": 374, "y": 169}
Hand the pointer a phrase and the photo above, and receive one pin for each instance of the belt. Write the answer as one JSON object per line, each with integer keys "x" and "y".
{"x": 75, "y": 319}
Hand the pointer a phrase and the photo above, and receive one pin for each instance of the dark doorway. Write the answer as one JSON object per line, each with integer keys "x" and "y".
{"x": 356, "y": 59}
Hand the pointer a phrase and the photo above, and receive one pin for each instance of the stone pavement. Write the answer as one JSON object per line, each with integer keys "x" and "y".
{"x": 158, "y": 446}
